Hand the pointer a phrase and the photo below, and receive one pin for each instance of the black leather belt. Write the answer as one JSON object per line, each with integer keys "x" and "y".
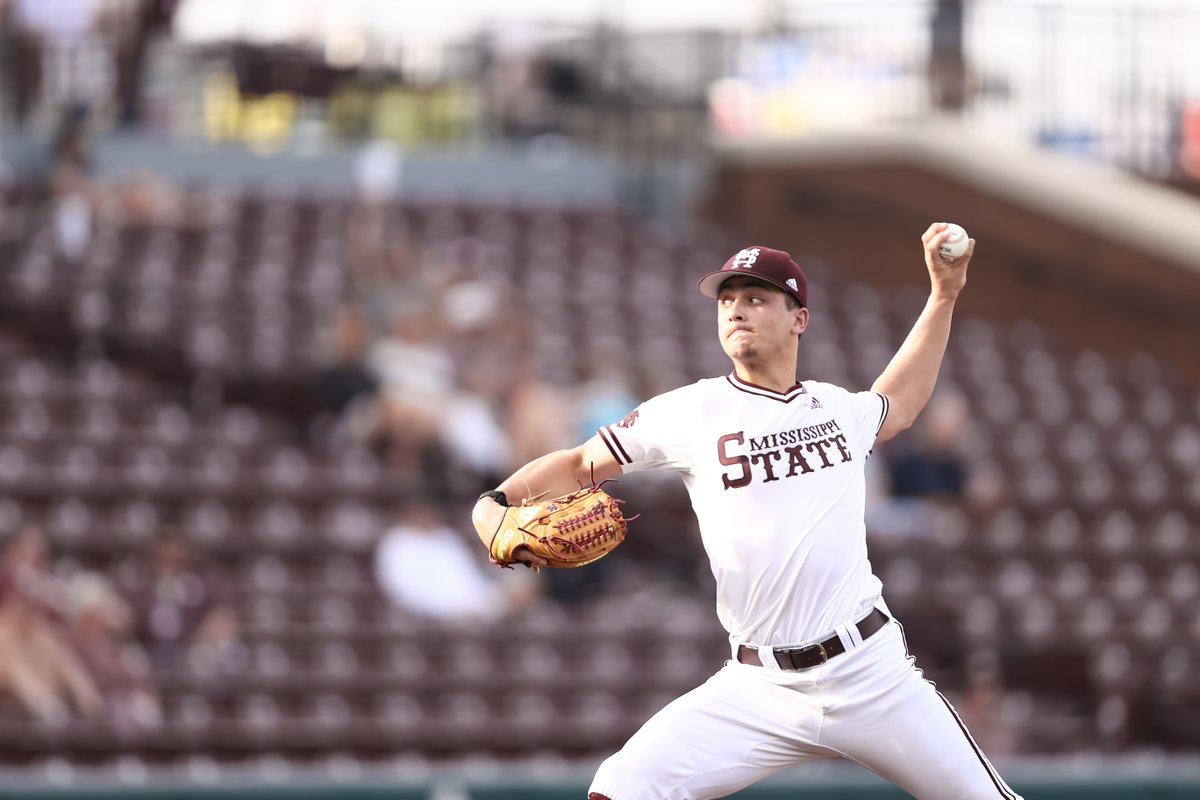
{"x": 814, "y": 655}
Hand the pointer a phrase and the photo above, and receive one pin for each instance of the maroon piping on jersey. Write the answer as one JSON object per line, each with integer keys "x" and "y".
{"x": 887, "y": 406}
{"x": 614, "y": 445}
{"x": 747, "y": 386}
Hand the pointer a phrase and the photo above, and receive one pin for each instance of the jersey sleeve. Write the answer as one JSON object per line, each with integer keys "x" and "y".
{"x": 866, "y": 412}
{"x": 654, "y": 435}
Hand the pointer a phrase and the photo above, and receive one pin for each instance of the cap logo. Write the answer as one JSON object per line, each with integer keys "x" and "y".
{"x": 745, "y": 258}
{"x": 791, "y": 282}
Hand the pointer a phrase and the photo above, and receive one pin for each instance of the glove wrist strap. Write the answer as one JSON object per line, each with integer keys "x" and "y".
{"x": 497, "y": 495}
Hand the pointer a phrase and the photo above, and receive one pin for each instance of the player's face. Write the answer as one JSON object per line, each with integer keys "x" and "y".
{"x": 755, "y": 322}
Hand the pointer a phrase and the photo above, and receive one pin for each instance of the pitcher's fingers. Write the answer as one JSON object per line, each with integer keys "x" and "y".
{"x": 932, "y": 231}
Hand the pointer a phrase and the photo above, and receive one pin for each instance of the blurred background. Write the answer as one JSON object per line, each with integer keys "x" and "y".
{"x": 285, "y": 285}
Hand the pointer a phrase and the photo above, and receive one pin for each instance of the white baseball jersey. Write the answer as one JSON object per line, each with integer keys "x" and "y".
{"x": 778, "y": 485}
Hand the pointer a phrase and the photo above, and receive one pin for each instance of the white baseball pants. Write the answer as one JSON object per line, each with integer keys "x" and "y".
{"x": 870, "y": 705}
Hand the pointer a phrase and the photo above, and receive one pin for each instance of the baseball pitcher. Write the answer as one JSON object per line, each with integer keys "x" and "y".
{"x": 774, "y": 467}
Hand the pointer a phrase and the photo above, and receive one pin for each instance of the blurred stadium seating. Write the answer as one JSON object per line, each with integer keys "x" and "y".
{"x": 1091, "y": 570}
{"x": 163, "y": 380}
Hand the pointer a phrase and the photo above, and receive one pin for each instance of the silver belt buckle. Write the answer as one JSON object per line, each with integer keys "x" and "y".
{"x": 821, "y": 648}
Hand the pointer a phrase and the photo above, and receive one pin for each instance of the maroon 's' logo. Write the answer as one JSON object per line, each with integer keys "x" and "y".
{"x": 630, "y": 418}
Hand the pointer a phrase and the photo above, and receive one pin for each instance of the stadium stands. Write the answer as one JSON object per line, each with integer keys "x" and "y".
{"x": 108, "y": 435}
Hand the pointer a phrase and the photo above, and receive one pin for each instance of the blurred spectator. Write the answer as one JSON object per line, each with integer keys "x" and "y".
{"x": 385, "y": 273}
{"x": 442, "y": 368}
{"x": 62, "y": 59}
{"x": 933, "y": 467}
{"x": 927, "y": 475}
{"x": 427, "y": 567}
{"x": 145, "y": 23}
{"x": 345, "y": 390}
{"x": 417, "y": 379}
{"x": 7, "y": 179}
{"x": 68, "y": 186}
{"x": 518, "y": 97}
{"x": 10, "y": 228}
{"x": 605, "y": 395}
{"x": 474, "y": 313}
{"x": 410, "y": 358}
{"x": 471, "y": 432}
{"x": 540, "y": 416}
{"x": 40, "y": 669}
{"x": 101, "y": 624}
{"x": 485, "y": 335}
{"x": 1189, "y": 139}
{"x": 181, "y": 612}
{"x": 145, "y": 199}
{"x": 947, "y": 59}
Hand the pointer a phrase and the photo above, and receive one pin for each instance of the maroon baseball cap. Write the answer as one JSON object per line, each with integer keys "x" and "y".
{"x": 772, "y": 266}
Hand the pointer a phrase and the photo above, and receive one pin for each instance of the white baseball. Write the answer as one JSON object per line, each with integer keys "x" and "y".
{"x": 955, "y": 244}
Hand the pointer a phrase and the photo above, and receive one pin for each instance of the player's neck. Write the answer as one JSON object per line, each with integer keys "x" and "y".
{"x": 779, "y": 377}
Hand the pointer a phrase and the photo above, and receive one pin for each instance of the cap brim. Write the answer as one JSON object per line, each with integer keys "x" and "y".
{"x": 710, "y": 284}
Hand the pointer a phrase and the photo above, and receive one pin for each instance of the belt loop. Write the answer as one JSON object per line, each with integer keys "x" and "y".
{"x": 880, "y": 605}
{"x": 848, "y": 633}
{"x": 766, "y": 654}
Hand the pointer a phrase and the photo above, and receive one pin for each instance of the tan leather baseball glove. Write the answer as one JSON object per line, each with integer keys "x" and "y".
{"x": 568, "y": 531}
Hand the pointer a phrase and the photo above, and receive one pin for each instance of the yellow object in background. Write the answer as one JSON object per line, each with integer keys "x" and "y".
{"x": 264, "y": 123}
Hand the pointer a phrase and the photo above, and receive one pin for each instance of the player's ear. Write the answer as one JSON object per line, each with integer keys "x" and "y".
{"x": 800, "y": 321}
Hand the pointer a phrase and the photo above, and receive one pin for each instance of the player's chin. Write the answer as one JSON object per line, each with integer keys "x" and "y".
{"x": 740, "y": 350}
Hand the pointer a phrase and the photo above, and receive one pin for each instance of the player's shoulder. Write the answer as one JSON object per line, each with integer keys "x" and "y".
{"x": 682, "y": 405}
{"x": 856, "y": 401}
{"x": 817, "y": 388}
{"x": 833, "y": 393}
{"x": 683, "y": 396}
